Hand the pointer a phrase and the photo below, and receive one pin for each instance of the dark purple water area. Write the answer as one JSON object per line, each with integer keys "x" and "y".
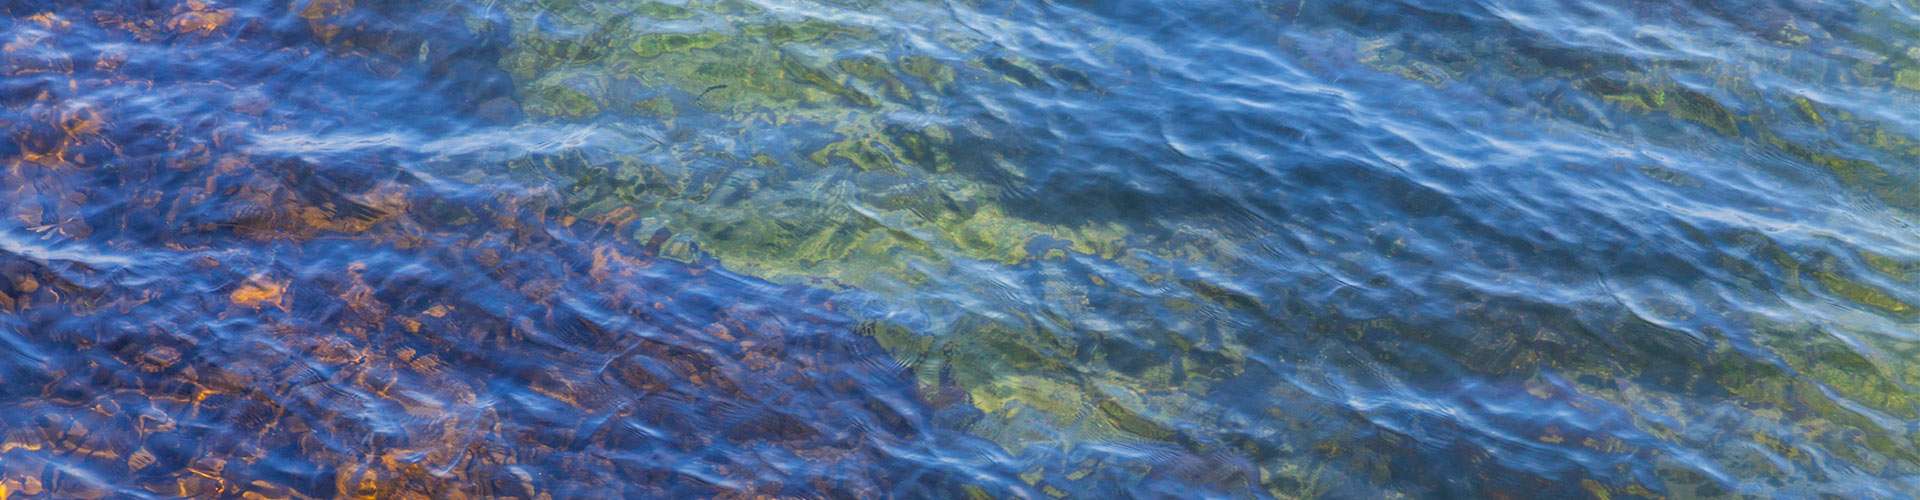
{"x": 187, "y": 316}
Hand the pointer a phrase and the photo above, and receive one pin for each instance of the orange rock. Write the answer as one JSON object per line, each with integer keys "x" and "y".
{"x": 259, "y": 290}
{"x": 82, "y": 121}
{"x": 50, "y": 21}
{"x": 203, "y": 22}
{"x": 317, "y": 14}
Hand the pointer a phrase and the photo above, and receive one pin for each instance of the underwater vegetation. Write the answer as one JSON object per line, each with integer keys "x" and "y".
{"x": 1835, "y": 374}
{"x": 843, "y": 171}
{"x": 918, "y": 185}
{"x": 981, "y": 249}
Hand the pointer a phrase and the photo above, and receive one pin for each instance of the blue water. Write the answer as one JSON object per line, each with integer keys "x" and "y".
{"x": 572, "y": 248}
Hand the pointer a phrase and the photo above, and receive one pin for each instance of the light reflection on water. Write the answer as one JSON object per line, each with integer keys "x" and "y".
{"x": 547, "y": 247}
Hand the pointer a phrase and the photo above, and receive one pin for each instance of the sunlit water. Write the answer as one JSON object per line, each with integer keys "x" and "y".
{"x": 574, "y": 248}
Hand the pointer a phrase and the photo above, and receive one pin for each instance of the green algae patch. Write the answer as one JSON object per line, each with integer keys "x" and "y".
{"x": 1132, "y": 423}
{"x": 655, "y": 44}
{"x": 1703, "y": 109}
{"x": 1384, "y": 56}
{"x": 1888, "y": 266}
{"x": 1863, "y": 294}
{"x": 935, "y": 74}
{"x": 1856, "y": 173}
{"x": 1808, "y": 111}
{"x": 825, "y": 183}
{"x": 1008, "y": 396}
{"x": 1677, "y": 101}
{"x": 1907, "y": 79}
{"x": 564, "y": 95}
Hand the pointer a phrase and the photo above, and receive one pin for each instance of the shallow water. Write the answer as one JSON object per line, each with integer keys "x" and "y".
{"x": 570, "y": 248}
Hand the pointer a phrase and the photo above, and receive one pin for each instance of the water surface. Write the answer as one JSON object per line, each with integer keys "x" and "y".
{"x": 571, "y": 248}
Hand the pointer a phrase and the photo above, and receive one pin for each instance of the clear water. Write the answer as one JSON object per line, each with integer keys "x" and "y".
{"x": 572, "y": 248}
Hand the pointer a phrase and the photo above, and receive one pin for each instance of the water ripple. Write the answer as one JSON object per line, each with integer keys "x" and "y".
{"x": 1002, "y": 248}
